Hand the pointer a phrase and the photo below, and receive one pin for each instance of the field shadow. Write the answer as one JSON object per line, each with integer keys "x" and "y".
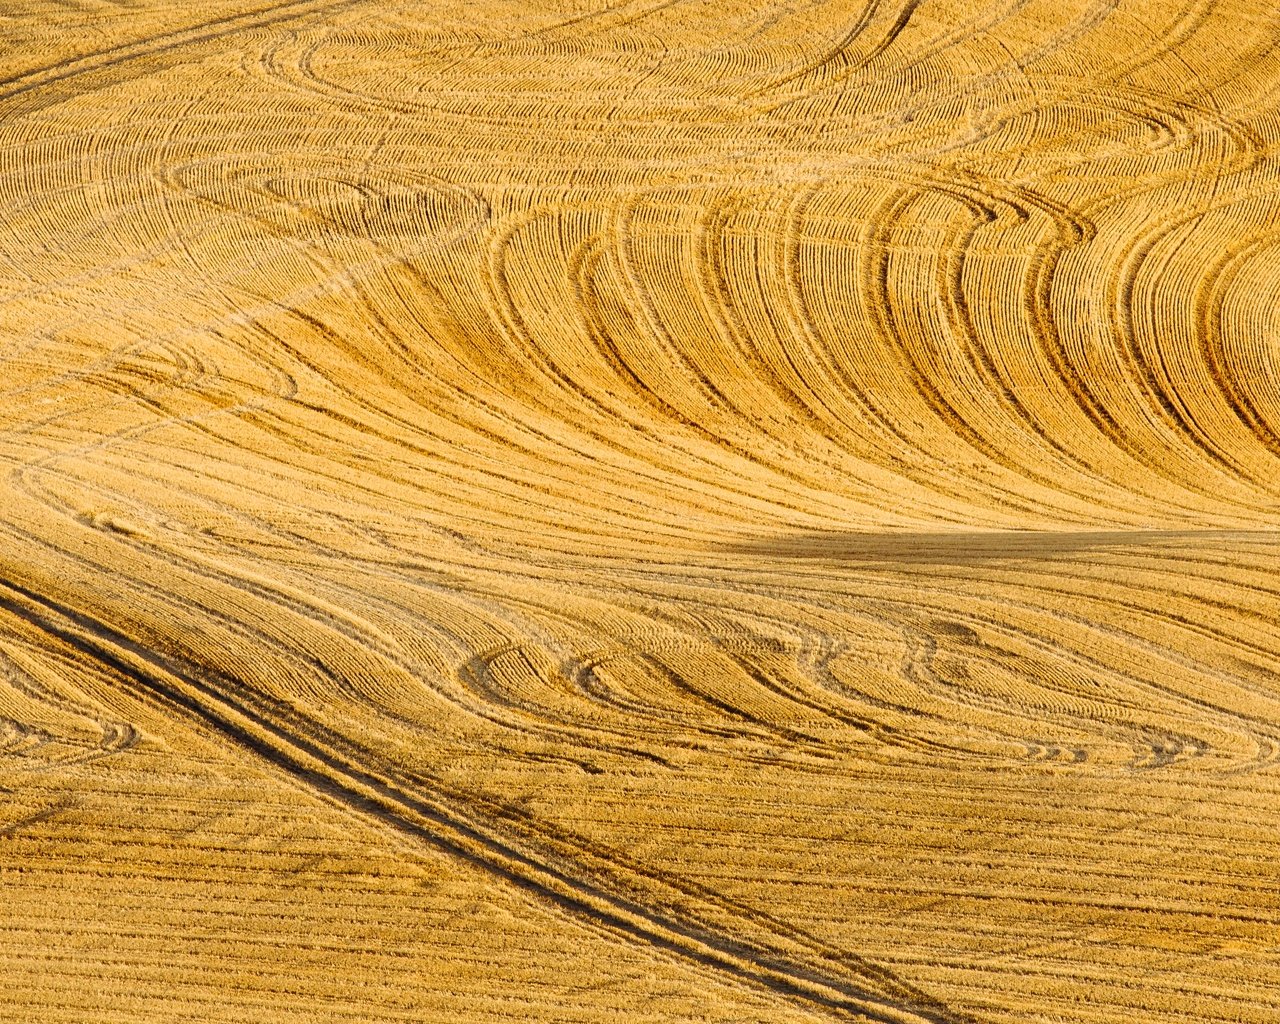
{"x": 976, "y": 546}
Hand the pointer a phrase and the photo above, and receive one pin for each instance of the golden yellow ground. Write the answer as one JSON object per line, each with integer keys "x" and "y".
{"x": 643, "y": 511}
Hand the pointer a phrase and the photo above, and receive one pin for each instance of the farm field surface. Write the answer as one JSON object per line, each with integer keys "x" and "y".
{"x": 652, "y": 511}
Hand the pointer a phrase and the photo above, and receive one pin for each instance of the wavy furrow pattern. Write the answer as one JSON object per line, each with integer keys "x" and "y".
{"x": 649, "y": 510}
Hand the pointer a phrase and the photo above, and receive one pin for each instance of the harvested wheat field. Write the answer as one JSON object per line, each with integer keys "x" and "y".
{"x": 649, "y": 511}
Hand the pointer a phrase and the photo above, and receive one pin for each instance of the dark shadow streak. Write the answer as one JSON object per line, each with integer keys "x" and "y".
{"x": 975, "y": 546}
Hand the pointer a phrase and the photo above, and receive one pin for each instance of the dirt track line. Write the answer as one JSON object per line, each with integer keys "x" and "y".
{"x": 215, "y": 29}
{"x": 174, "y": 683}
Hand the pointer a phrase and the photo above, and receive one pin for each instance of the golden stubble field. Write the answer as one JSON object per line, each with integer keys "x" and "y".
{"x": 654, "y": 511}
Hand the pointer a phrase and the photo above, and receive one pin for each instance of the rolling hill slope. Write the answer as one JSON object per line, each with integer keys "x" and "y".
{"x": 656, "y": 510}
